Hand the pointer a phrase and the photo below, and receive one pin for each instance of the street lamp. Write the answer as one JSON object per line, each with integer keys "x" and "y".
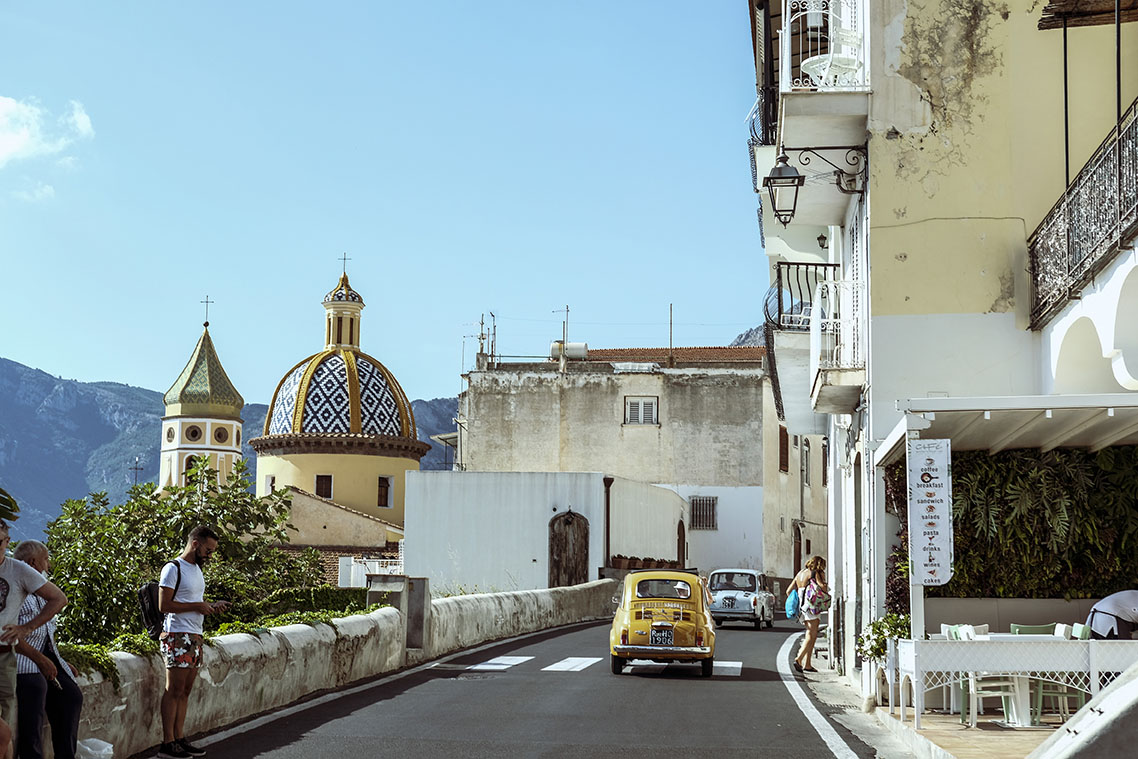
{"x": 822, "y": 241}
{"x": 783, "y": 177}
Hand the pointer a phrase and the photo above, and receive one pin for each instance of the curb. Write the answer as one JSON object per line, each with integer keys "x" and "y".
{"x": 921, "y": 746}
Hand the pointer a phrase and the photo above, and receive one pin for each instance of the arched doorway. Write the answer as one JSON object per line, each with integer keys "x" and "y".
{"x": 681, "y": 545}
{"x": 568, "y": 550}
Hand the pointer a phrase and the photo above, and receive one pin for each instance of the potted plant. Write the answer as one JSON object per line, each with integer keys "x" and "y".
{"x": 871, "y": 643}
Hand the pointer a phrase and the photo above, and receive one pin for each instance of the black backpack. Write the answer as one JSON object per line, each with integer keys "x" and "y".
{"x": 148, "y": 604}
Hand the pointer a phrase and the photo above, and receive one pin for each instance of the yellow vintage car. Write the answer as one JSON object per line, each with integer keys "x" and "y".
{"x": 663, "y": 616}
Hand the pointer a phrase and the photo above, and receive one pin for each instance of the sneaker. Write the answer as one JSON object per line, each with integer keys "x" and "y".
{"x": 190, "y": 748}
{"x": 172, "y": 751}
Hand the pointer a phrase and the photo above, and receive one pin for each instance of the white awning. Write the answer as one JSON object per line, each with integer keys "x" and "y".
{"x": 995, "y": 424}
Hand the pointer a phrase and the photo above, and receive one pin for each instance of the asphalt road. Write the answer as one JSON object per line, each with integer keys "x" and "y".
{"x": 502, "y": 701}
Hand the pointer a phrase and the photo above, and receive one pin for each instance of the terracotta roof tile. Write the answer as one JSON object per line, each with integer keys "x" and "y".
{"x": 682, "y": 355}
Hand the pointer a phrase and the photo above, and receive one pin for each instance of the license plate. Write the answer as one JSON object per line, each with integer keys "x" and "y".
{"x": 729, "y": 602}
{"x": 660, "y": 638}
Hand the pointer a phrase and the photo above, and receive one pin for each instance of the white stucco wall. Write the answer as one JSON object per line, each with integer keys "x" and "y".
{"x": 644, "y": 520}
{"x": 489, "y": 531}
{"x": 738, "y": 541}
{"x": 959, "y": 355}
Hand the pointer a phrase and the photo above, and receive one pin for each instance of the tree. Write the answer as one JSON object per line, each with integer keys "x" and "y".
{"x": 101, "y": 554}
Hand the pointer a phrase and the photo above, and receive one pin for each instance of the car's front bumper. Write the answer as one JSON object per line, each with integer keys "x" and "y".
{"x": 735, "y": 613}
{"x": 663, "y": 652}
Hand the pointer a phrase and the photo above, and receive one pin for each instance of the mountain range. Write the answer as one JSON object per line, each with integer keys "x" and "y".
{"x": 63, "y": 438}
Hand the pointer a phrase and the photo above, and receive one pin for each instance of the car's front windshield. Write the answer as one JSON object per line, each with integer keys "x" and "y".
{"x": 663, "y": 589}
{"x": 732, "y": 581}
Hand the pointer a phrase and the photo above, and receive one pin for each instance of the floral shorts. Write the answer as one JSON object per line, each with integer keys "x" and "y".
{"x": 182, "y": 650}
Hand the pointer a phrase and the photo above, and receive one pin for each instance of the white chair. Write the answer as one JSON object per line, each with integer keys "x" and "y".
{"x": 981, "y": 686}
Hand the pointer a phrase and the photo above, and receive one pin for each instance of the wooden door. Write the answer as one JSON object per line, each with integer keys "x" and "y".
{"x": 568, "y": 550}
{"x": 681, "y": 545}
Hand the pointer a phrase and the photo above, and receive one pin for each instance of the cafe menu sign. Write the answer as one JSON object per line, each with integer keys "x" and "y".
{"x": 930, "y": 511}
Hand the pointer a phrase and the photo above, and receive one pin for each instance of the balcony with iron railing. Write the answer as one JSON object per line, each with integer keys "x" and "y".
{"x": 790, "y": 306}
{"x": 837, "y": 352}
{"x": 1084, "y": 231}
{"x": 822, "y": 46}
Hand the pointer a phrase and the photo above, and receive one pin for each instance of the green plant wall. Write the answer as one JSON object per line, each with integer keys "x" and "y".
{"x": 1027, "y": 524}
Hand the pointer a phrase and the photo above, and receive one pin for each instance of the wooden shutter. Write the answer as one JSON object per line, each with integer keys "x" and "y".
{"x": 783, "y": 449}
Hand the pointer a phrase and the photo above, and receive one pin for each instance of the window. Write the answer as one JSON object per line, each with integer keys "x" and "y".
{"x": 641, "y": 409}
{"x": 663, "y": 589}
{"x": 783, "y": 450}
{"x": 703, "y": 512}
{"x": 782, "y": 524}
{"x": 384, "y": 499}
{"x": 169, "y": 434}
{"x": 796, "y": 441}
{"x": 825, "y": 462}
{"x": 806, "y": 462}
{"x": 193, "y": 433}
{"x": 221, "y": 435}
{"x": 324, "y": 485}
{"x": 270, "y": 483}
{"x": 808, "y": 545}
{"x": 340, "y": 329}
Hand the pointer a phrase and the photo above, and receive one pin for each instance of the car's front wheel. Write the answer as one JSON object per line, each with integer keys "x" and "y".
{"x": 616, "y": 663}
{"x": 707, "y": 666}
{"x": 718, "y": 622}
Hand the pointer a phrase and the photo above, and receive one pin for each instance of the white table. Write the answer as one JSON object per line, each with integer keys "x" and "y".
{"x": 1082, "y": 664}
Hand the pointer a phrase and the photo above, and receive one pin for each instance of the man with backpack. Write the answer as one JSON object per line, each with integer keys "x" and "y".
{"x": 181, "y": 599}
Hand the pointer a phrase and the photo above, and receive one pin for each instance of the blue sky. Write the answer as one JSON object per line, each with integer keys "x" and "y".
{"x": 468, "y": 157}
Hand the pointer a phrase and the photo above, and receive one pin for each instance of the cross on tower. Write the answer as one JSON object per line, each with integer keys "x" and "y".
{"x": 344, "y": 259}
{"x": 136, "y": 469}
{"x": 207, "y": 301}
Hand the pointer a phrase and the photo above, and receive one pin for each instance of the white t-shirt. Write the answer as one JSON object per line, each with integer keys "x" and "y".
{"x": 17, "y": 581}
{"x": 190, "y": 590}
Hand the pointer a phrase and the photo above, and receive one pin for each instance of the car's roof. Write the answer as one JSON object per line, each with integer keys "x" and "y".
{"x": 730, "y": 569}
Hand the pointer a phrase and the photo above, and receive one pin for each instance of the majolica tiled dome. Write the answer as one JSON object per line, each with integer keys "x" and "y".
{"x": 340, "y": 391}
{"x": 344, "y": 292}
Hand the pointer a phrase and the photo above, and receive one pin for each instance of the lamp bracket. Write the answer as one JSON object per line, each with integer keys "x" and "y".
{"x": 856, "y": 158}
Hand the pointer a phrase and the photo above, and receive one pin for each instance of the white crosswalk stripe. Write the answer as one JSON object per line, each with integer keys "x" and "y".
{"x": 500, "y": 662}
{"x": 572, "y": 664}
{"x": 721, "y": 668}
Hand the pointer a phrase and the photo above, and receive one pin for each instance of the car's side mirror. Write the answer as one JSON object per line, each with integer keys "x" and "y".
{"x": 616, "y": 600}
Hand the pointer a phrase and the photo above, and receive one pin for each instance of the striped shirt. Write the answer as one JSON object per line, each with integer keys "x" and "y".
{"x": 32, "y": 606}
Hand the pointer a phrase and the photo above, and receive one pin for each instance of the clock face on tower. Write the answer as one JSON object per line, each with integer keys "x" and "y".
{"x": 193, "y": 433}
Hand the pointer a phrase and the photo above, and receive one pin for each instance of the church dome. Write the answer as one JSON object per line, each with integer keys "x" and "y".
{"x": 340, "y": 391}
{"x": 344, "y": 292}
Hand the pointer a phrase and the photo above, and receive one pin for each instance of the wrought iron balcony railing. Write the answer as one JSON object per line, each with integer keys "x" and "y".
{"x": 822, "y": 45}
{"x": 1083, "y": 232}
{"x": 835, "y": 327}
{"x": 790, "y": 302}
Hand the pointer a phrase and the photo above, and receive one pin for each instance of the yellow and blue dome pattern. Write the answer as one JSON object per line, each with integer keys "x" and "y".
{"x": 340, "y": 391}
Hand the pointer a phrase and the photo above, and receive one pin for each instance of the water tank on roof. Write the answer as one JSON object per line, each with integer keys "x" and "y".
{"x": 572, "y": 350}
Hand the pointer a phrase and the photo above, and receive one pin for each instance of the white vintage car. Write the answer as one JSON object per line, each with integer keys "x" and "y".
{"x": 738, "y": 595}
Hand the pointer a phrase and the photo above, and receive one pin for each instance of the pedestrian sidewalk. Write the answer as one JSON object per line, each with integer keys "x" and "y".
{"x": 941, "y": 736}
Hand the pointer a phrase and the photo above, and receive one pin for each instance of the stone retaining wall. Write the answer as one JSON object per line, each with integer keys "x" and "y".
{"x": 245, "y": 675}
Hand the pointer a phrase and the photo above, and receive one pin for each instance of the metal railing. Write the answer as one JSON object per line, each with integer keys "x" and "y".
{"x": 1084, "y": 231}
{"x": 835, "y": 332}
{"x": 790, "y": 301}
{"x": 822, "y": 45}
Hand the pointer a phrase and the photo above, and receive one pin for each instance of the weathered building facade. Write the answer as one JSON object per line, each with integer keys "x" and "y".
{"x": 688, "y": 419}
{"x": 940, "y": 266}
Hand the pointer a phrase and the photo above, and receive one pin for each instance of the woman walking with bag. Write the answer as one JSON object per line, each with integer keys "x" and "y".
{"x": 814, "y": 597}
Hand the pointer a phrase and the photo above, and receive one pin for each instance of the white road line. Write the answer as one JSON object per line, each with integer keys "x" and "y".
{"x": 500, "y": 663}
{"x": 721, "y": 668}
{"x": 728, "y": 668}
{"x": 825, "y": 730}
{"x": 572, "y": 664}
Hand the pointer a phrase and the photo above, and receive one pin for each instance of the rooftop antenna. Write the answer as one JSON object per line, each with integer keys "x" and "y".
{"x": 207, "y": 301}
{"x": 136, "y": 469}
{"x": 344, "y": 261}
{"x": 482, "y": 333}
{"x": 561, "y": 364}
{"x": 671, "y": 351}
{"x": 493, "y": 336}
